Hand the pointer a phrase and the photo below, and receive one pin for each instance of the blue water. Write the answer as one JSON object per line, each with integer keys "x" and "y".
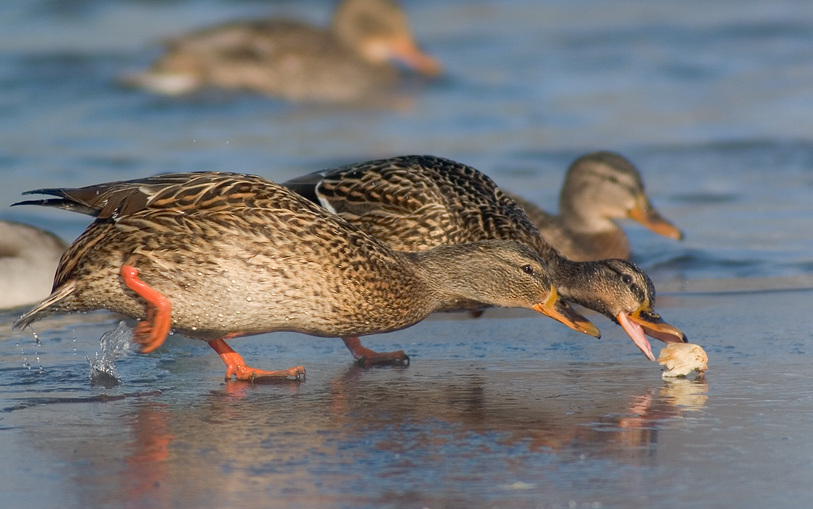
{"x": 711, "y": 101}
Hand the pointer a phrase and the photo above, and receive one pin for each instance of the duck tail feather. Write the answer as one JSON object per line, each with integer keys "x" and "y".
{"x": 45, "y": 307}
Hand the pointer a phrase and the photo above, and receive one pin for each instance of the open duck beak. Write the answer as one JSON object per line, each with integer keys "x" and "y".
{"x": 643, "y": 322}
{"x": 645, "y": 213}
{"x": 560, "y": 310}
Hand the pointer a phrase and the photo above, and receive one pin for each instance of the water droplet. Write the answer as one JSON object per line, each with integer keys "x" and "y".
{"x": 248, "y": 299}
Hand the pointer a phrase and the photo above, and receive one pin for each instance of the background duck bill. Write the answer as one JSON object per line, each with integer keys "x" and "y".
{"x": 646, "y": 214}
{"x": 409, "y": 55}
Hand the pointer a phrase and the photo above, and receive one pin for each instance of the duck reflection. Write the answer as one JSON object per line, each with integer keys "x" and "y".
{"x": 324, "y": 442}
{"x": 283, "y": 437}
{"x": 146, "y": 470}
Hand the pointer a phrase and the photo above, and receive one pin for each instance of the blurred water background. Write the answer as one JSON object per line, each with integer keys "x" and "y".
{"x": 711, "y": 100}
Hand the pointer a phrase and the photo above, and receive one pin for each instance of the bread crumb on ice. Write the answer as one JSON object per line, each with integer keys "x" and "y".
{"x": 680, "y": 359}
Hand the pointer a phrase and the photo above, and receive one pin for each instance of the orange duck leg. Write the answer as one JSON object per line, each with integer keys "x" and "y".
{"x": 152, "y": 332}
{"x": 367, "y": 357}
{"x": 235, "y": 365}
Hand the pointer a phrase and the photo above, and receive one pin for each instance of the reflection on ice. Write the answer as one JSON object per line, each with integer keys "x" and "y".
{"x": 690, "y": 395}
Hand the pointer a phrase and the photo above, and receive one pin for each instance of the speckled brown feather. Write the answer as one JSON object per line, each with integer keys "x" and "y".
{"x": 417, "y": 202}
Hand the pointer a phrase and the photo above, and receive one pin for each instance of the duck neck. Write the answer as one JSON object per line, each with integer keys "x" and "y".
{"x": 578, "y": 281}
{"x": 582, "y": 218}
{"x": 455, "y": 273}
{"x": 596, "y": 234}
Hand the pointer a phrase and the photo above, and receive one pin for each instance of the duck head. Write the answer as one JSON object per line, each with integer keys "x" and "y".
{"x": 624, "y": 293}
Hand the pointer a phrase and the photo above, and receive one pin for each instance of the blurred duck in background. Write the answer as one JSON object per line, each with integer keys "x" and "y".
{"x": 28, "y": 260}
{"x": 599, "y": 188}
{"x": 357, "y": 55}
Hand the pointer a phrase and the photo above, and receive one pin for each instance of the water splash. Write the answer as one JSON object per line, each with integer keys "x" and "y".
{"x": 114, "y": 343}
{"x": 37, "y": 345}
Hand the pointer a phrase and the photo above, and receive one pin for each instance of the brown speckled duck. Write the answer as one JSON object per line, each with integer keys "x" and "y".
{"x": 346, "y": 62}
{"x": 413, "y": 203}
{"x": 220, "y": 255}
{"x": 599, "y": 188}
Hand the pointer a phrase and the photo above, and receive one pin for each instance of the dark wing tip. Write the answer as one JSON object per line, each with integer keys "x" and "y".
{"x": 306, "y": 185}
{"x": 59, "y": 203}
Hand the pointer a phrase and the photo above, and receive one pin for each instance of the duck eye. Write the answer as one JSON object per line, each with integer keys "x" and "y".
{"x": 627, "y": 279}
{"x": 528, "y": 269}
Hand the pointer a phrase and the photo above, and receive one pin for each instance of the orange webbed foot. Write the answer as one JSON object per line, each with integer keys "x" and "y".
{"x": 366, "y": 357}
{"x": 236, "y": 366}
{"x": 150, "y": 333}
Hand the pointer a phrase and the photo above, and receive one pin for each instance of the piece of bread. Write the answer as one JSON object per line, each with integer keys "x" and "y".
{"x": 680, "y": 359}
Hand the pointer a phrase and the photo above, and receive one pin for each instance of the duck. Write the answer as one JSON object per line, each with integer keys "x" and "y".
{"x": 216, "y": 255}
{"x": 359, "y": 54}
{"x": 599, "y": 188}
{"x": 28, "y": 260}
{"x": 418, "y": 202}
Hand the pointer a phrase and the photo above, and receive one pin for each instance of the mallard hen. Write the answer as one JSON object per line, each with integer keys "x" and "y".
{"x": 220, "y": 255}
{"x": 293, "y": 60}
{"x": 599, "y": 188}
{"x": 412, "y": 203}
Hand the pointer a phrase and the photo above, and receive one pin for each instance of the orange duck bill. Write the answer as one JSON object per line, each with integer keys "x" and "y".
{"x": 643, "y": 322}
{"x": 407, "y": 53}
{"x": 561, "y": 311}
{"x": 645, "y": 213}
